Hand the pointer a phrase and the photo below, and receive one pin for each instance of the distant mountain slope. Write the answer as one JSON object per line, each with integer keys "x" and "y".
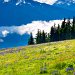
{"x": 11, "y": 14}
{"x": 14, "y": 40}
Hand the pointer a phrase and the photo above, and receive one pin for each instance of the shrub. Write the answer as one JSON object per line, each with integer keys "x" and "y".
{"x": 69, "y": 68}
{"x": 56, "y": 72}
{"x": 42, "y": 51}
{"x": 60, "y": 65}
{"x": 43, "y": 69}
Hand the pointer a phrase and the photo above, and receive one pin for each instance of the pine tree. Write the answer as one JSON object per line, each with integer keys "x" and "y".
{"x": 52, "y": 34}
{"x": 68, "y": 30}
{"x": 55, "y": 34}
{"x": 38, "y": 37}
{"x": 31, "y": 40}
{"x": 73, "y": 28}
{"x": 58, "y": 33}
{"x": 48, "y": 37}
{"x": 43, "y": 37}
{"x": 62, "y": 31}
{"x": 65, "y": 32}
{"x": 63, "y": 23}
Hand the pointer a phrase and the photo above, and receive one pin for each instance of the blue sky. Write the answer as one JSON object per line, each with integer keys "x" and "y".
{"x": 19, "y": 18}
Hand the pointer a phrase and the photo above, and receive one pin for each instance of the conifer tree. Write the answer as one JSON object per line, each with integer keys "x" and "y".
{"x": 52, "y": 34}
{"x": 43, "y": 37}
{"x": 58, "y": 33}
{"x": 68, "y": 30}
{"x": 38, "y": 37}
{"x": 55, "y": 34}
{"x": 62, "y": 31}
{"x": 63, "y": 23}
{"x": 65, "y": 32}
{"x": 48, "y": 37}
{"x": 73, "y": 28}
{"x": 31, "y": 40}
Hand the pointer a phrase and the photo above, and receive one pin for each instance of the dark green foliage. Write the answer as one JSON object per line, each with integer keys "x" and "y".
{"x": 43, "y": 37}
{"x": 70, "y": 66}
{"x": 64, "y": 32}
{"x": 63, "y": 23}
{"x": 56, "y": 72}
{"x": 48, "y": 37}
{"x": 31, "y": 40}
{"x": 70, "y": 69}
{"x": 58, "y": 33}
{"x": 73, "y": 29}
{"x": 43, "y": 69}
{"x": 60, "y": 66}
{"x": 52, "y": 34}
{"x": 43, "y": 51}
{"x": 38, "y": 37}
{"x": 68, "y": 30}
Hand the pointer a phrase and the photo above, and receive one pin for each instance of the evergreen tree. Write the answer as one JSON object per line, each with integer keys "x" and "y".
{"x": 55, "y": 33}
{"x": 65, "y": 32}
{"x": 43, "y": 37}
{"x": 38, "y": 37}
{"x": 62, "y": 31}
{"x": 48, "y": 37}
{"x": 31, "y": 40}
{"x": 63, "y": 23}
{"x": 73, "y": 28}
{"x": 68, "y": 30}
{"x": 58, "y": 33}
{"x": 52, "y": 34}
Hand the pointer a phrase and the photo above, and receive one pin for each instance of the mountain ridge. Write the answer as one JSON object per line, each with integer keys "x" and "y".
{"x": 17, "y": 2}
{"x": 8, "y": 13}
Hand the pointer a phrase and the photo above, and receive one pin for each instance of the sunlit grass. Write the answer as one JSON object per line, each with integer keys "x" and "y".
{"x": 46, "y": 59}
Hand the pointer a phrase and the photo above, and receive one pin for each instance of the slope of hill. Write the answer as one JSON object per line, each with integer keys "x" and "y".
{"x": 56, "y": 58}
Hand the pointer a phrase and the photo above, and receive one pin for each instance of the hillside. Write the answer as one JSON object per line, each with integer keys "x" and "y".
{"x": 57, "y": 58}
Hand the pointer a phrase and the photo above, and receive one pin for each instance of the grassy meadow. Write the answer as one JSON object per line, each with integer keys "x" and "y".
{"x": 57, "y": 58}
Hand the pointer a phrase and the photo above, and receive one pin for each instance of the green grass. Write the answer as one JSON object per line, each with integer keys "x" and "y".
{"x": 45, "y": 59}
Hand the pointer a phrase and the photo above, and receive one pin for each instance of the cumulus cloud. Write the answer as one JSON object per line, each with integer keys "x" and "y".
{"x": 28, "y": 28}
{"x": 50, "y": 2}
{"x": 4, "y": 33}
{"x": 73, "y": 1}
{"x": 35, "y": 25}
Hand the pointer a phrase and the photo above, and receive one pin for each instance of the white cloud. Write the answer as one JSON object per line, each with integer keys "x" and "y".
{"x": 73, "y": 1}
{"x": 67, "y": 2}
{"x": 60, "y": 2}
{"x": 50, "y": 2}
{"x": 17, "y": 3}
{"x": 20, "y": 1}
{"x": 4, "y": 33}
{"x": 6, "y": 0}
{"x": 28, "y": 28}
{"x": 35, "y": 25}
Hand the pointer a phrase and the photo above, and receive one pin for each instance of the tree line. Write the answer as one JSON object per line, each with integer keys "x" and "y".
{"x": 65, "y": 31}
